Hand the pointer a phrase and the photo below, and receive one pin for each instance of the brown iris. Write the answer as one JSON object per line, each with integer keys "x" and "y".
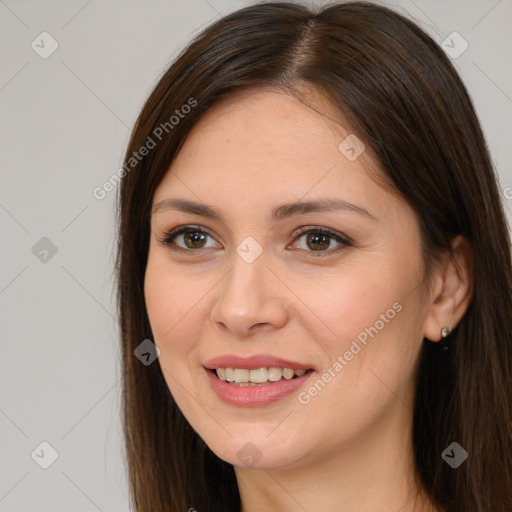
{"x": 196, "y": 239}
{"x": 321, "y": 241}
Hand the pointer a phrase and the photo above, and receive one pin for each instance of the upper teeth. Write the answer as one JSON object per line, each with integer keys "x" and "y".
{"x": 257, "y": 376}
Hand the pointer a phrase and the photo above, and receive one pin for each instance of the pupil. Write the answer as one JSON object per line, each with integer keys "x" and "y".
{"x": 195, "y": 237}
{"x": 324, "y": 240}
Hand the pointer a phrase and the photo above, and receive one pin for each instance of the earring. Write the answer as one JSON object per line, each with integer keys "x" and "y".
{"x": 445, "y": 332}
{"x": 444, "y": 345}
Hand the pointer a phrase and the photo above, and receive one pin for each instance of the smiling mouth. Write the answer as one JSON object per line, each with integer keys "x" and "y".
{"x": 258, "y": 376}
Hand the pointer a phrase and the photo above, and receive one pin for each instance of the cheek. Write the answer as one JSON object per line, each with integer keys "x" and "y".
{"x": 372, "y": 353}
{"x": 354, "y": 304}
{"x": 177, "y": 317}
{"x": 168, "y": 300}
{"x": 171, "y": 300}
{"x": 372, "y": 326}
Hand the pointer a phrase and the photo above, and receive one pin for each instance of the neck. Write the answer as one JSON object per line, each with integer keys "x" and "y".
{"x": 371, "y": 472}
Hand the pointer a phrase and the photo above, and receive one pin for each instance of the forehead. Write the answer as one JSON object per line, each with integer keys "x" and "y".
{"x": 265, "y": 144}
{"x": 268, "y": 122}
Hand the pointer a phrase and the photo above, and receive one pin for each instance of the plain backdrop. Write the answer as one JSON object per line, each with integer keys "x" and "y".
{"x": 65, "y": 123}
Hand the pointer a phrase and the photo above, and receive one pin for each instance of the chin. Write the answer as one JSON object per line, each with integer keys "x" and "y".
{"x": 258, "y": 451}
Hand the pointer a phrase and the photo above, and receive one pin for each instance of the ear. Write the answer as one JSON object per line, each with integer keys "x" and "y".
{"x": 452, "y": 289}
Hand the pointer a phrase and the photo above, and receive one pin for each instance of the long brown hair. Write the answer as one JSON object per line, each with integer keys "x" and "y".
{"x": 403, "y": 98}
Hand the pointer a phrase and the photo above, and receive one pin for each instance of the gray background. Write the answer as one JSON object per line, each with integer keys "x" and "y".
{"x": 65, "y": 124}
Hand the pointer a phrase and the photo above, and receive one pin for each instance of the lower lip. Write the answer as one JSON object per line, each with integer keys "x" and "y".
{"x": 255, "y": 396}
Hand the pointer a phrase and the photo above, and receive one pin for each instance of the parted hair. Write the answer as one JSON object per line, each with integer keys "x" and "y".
{"x": 403, "y": 98}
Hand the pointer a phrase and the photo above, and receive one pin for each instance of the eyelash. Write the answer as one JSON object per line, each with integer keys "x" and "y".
{"x": 167, "y": 239}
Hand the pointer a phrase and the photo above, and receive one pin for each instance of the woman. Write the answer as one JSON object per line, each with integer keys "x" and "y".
{"x": 312, "y": 236}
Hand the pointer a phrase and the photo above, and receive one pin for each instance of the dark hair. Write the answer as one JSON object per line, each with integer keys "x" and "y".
{"x": 403, "y": 98}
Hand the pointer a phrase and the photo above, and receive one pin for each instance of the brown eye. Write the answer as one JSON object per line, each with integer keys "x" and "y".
{"x": 194, "y": 239}
{"x": 187, "y": 238}
{"x": 319, "y": 240}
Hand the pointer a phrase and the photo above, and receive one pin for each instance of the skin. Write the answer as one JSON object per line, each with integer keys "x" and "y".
{"x": 351, "y": 444}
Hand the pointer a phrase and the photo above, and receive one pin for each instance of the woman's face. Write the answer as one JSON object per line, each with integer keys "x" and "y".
{"x": 347, "y": 306}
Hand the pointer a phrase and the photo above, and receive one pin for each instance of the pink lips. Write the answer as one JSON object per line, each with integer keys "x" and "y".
{"x": 259, "y": 395}
{"x": 253, "y": 362}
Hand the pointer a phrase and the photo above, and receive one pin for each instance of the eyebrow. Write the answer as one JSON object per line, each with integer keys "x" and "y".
{"x": 278, "y": 213}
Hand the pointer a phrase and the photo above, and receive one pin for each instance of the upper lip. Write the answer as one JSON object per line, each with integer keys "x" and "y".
{"x": 253, "y": 362}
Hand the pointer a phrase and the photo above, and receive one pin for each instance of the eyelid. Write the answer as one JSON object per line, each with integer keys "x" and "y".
{"x": 344, "y": 241}
{"x": 319, "y": 229}
{"x": 166, "y": 238}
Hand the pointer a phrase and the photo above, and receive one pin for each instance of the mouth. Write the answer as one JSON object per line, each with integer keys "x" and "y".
{"x": 263, "y": 376}
{"x": 255, "y": 381}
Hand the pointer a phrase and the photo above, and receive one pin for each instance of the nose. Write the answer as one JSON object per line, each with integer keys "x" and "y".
{"x": 249, "y": 299}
